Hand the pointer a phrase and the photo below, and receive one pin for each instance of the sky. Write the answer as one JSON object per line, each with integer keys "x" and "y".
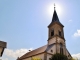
{"x": 23, "y": 25}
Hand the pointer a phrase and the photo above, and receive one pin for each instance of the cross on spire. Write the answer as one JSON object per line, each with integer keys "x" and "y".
{"x": 54, "y": 6}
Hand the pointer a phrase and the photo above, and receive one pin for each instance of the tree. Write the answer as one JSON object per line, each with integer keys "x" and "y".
{"x": 74, "y": 59}
{"x": 59, "y": 57}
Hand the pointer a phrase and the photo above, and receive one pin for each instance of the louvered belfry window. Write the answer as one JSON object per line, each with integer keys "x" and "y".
{"x": 59, "y": 33}
{"x": 52, "y": 33}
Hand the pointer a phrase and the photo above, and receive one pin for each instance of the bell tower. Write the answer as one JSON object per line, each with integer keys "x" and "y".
{"x": 55, "y": 28}
{"x": 56, "y": 33}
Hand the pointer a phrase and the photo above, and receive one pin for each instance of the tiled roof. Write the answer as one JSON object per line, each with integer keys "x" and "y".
{"x": 34, "y": 52}
{"x": 49, "y": 46}
{"x": 42, "y": 49}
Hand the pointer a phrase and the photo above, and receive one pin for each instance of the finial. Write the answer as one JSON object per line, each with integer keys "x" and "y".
{"x": 54, "y": 6}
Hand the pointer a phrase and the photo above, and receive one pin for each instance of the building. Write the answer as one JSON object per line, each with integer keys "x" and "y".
{"x": 3, "y": 45}
{"x": 55, "y": 43}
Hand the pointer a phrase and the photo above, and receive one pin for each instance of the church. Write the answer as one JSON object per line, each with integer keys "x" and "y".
{"x": 55, "y": 44}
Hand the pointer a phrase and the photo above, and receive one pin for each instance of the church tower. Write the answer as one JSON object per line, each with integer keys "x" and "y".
{"x": 56, "y": 34}
{"x": 56, "y": 43}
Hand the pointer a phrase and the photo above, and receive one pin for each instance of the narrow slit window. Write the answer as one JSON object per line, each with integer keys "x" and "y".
{"x": 51, "y": 50}
{"x": 61, "y": 48}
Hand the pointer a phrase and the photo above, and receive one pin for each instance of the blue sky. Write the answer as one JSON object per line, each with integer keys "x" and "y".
{"x": 23, "y": 24}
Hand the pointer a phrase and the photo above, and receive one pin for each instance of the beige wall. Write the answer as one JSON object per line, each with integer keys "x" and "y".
{"x": 27, "y": 58}
{"x": 56, "y": 28}
{"x": 36, "y": 56}
{"x": 60, "y": 40}
{"x": 51, "y": 41}
{"x": 48, "y": 56}
{"x": 40, "y": 56}
{"x": 54, "y": 50}
{"x": 58, "y": 49}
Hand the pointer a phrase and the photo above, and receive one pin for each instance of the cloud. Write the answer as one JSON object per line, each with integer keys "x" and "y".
{"x": 17, "y": 53}
{"x": 4, "y": 59}
{"x": 77, "y": 34}
{"x": 76, "y": 56}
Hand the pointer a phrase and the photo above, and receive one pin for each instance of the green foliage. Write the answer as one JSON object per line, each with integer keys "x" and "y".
{"x": 59, "y": 57}
{"x": 74, "y": 59}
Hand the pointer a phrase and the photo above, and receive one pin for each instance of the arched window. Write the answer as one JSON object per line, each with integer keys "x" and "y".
{"x": 52, "y": 33}
{"x": 61, "y": 48}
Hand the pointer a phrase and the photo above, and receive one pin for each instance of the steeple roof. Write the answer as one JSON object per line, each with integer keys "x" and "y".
{"x": 55, "y": 17}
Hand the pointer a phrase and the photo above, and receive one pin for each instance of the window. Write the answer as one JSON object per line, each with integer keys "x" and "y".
{"x": 49, "y": 58}
{"x": 68, "y": 55}
{"x": 51, "y": 50}
{"x": 61, "y": 45}
{"x": 59, "y": 33}
{"x": 52, "y": 32}
{"x": 61, "y": 48}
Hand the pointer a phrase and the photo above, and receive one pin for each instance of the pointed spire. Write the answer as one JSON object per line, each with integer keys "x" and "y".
{"x": 55, "y": 16}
